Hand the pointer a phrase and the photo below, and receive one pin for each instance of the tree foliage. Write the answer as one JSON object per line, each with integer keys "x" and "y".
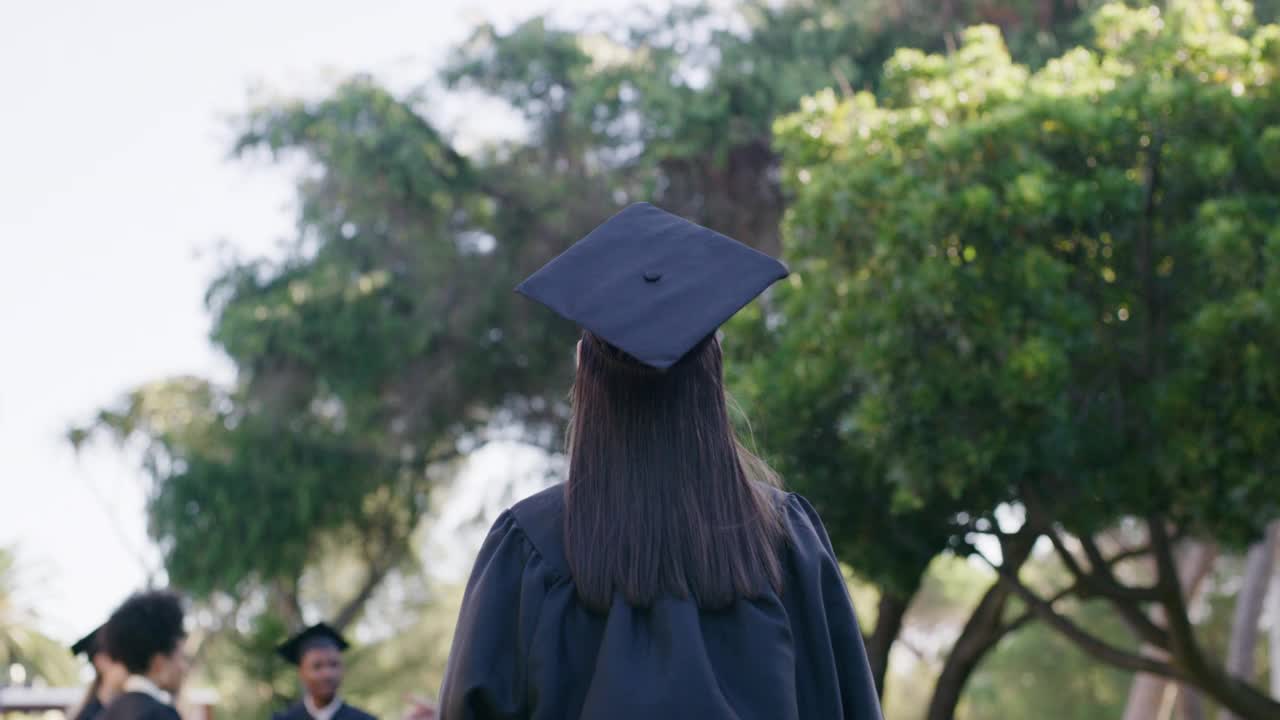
{"x": 678, "y": 106}
{"x": 332, "y": 418}
{"x": 1050, "y": 288}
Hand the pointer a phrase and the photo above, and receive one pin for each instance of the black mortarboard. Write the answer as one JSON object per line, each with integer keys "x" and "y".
{"x": 652, "y": 284}
{"x": 318, "y": 635}
{"x": 89, "y": 644}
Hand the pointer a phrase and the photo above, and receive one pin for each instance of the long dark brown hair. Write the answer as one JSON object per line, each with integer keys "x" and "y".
{"x": 661, "y": 497}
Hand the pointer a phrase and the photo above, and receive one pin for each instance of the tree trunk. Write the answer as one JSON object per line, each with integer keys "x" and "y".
{"x": 1244, "y": 626}
{"x": 892, "y": 609}
{"x": 1190, "y": 706}
{"x": 1194, "y": 562}
{"x": 1274, "y": 655}
{"x": 984, "y": 629}
{"x": 981, "y": 633}
{"x": 1145, "y": 694}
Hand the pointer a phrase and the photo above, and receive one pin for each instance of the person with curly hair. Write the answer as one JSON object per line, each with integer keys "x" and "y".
{"x": 146, "y": 635}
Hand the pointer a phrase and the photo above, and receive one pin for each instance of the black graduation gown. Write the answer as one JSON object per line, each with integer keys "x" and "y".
{"x": 526, "y": 648}
{"x": 138, "y": 706}
{"x": 92, "y": 709}
{"x": 298, "y": 711}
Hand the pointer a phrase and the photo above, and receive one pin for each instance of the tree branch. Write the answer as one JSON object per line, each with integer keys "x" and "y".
{"x": 1026, "y": 616}
{"x": 1096, "y": 647}
{"x": 378, "y": 572}
{"x": 1102, "y": 569}
{"x": 1068, "y": 559}
{"x": 1128, "y": 555}
{"x": 1100, "y": 581}
{"x": 382, "y": 552}
{"x": 1126, "y": 600}
{"x": 1017, "y": 622}
{"x": 1182, "y": 643}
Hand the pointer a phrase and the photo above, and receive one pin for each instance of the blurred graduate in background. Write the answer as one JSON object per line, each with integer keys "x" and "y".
{"x": 147, "y": 634}
{"x": 317, "y": 651}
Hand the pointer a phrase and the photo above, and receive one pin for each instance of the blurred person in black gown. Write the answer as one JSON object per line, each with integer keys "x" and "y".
{"x": 668, "y": 577}
{"x": 317, "y": 651}
{"x": 146, "y": 635}
{"x": 108, "y": 676}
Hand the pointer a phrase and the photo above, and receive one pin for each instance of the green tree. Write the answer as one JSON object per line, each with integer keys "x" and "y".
{"x": 678, "y": 106}
{"x": 1053, "y": 289}
{"x": 367, "y": 360}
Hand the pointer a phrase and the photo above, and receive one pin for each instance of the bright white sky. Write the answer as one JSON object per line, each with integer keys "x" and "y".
{"x": 114, "y": 189}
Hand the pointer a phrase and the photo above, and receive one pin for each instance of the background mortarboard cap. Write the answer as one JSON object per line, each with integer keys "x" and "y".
{"x": 651, "y": 283}
{"x": 88, "y": 645}
{"x": 293, "y": 648}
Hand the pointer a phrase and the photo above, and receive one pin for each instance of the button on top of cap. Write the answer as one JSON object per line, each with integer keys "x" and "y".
{"x": 652, "y": 276}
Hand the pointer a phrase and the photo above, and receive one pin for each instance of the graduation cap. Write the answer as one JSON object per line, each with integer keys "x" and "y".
{"x": 89, "y": 644}
{"x": 318, "y": 635}
{"x": 652, "y": 284}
